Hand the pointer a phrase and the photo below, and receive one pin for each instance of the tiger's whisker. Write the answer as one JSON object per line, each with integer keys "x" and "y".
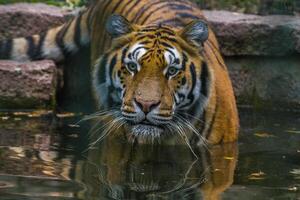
{"x": 193, "y": 129}
{"x": 185, "y": 139}
{"x": 96, "y": 114}
{"x": 107, "y": 131}
{"x": 192, "y": 116}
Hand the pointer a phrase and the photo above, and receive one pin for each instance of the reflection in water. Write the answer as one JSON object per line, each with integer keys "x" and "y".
{"x": 118, "y": 170}
{"x": 31, "y": 167}
{"x": 42, "y": 160}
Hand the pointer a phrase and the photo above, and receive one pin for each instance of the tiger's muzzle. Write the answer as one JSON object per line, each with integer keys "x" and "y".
{"x": 146, "y": 110}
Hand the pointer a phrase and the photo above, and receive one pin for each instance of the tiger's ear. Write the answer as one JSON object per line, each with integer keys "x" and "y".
{"x": 195, "y": 32}
{"x": 117, "y": 25}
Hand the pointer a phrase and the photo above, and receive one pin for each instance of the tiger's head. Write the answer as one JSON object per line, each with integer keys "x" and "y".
{"x": 153, "y": 75}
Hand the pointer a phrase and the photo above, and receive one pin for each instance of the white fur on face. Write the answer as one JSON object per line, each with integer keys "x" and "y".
{"x": 171, "y": 56}
{"x": 136, "y": 51}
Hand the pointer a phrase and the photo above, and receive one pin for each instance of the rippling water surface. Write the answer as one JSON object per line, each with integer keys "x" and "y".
{"x": 46, "y": 158}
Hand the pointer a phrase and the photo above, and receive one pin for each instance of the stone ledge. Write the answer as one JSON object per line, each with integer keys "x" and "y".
{"x": 266, "y": 82}
{"x": 27, "y": 85}
{"x": 19, "y": 20}
{"x": 243, "y": 34}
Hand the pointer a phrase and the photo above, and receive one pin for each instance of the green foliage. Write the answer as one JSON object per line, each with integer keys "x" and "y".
{"x": 50, "y": 2}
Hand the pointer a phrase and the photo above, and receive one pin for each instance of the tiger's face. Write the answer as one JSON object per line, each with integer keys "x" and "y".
{"x": 153, "y": 73}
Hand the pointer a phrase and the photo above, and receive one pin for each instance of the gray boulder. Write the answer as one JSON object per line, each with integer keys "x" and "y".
{"x": 27, "y": 85}
{"x": 243, "y": 34}
{"x": 19, "y": 20}
{"x": 266, "y": 82}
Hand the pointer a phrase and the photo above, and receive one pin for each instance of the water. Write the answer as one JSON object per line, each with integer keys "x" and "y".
{"x": 43, "y": 158}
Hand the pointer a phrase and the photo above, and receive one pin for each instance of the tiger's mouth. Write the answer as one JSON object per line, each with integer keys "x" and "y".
{"x": 146, "y": 129}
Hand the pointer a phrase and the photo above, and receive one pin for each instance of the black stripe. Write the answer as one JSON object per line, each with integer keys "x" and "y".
{"x": 168, "y": 38}
{"x": 77, "y": 29}
{"x": 145, "y": 37}
{"x": 31, "y": 51}
{"x": 117, "y": 6}
{"x": 6, "y": 48}
{"x": 180, "y": 7}
{"x": 184, "y": 61}
{"x": 132, "y": 7}
{"x": 89, "y": 18}
{"x": 154, "y": 11}
{"x": 152, "y": 29}
{"x": 187, "y": 15}
{"x": 193, "y": 74}
{"x": 145, "y": 42}
{"x": 134, "y": 52}
{"x": 148, "y": 7}
{"x": 171, "y": 52}
{"x": 204, "y": 79}
{"x": 38, "y": 50}
{"x": 183, "y": 81}
{"x": 124, "y": 53}
{"x": 59, "y": 39}
{"x": 169, "y": 32}
{"x": 166, "y": 45}
{"x": 144, "y": 9}
{"x": 212, "y": 46}
{"x": 105, "y": 7}
{"x": 181, "y": 15}
{"x": 101, "y": 71}
{"x": 112, "y": 64}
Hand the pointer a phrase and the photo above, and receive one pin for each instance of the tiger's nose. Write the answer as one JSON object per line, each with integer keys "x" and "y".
{"x": 146, "y": 106}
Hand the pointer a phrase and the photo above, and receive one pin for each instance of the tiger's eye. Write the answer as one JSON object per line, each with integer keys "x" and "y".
{"x": 132, "y": 66}
{"x": 172, "y": 71}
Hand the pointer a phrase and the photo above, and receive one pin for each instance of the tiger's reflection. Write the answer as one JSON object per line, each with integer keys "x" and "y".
{"x": 119, "y": 170}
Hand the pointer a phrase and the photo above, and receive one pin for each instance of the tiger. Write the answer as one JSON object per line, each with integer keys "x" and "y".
{"x": 156, "y": 68}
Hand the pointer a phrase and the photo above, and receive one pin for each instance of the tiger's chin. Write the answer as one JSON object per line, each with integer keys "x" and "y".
{"x": 146, "y": 133}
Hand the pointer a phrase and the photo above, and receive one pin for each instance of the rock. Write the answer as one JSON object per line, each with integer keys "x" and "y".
{"x": 27, "y": 85}
{"x": 244, "y": 34}
{"x": 19, "y": 20}
{"x": 266, "y": 82}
